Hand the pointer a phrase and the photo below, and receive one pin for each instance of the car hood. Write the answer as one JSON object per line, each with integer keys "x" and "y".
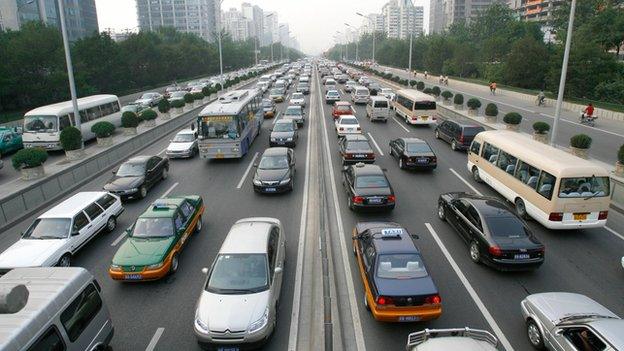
{"x": 406, "y": 287}
{"x": 123, "y": 183}
{"x": 271, "y": 175}
{"x": 30, "y": 252}
{"x": 558, "y": 305}
{"x": 142, "y": 251}
{"x": 282, "y": 134}
{"x": 180, "y": 146}
{"x": 231, "y": 312}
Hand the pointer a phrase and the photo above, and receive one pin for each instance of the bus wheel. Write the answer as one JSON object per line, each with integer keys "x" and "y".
{"x": 521, "y": 209}
{"x": 475, "y": 175}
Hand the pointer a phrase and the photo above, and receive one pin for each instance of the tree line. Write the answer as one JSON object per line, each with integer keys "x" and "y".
{"x": 33, "y": 71}
{"x": 497, "y": 46}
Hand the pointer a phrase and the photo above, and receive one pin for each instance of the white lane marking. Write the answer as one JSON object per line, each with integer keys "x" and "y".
{"x": 375, "y": 143}
{"x": 614, "y": 232}
{"x": 294, "y": 319}
{"x": 400, "y": 124}
{"x": 357, "y": 324}
{"x": 466, "y": 182}
{"x": 251, "y": 163}
{"x": 471, "y": 291}
{"x": 343, "y": 92}
{"x": 123, "y": 235}
{"x": 152, "y": 344}
{"x": 162, "y": 151}
{"x": 277, "y": 117}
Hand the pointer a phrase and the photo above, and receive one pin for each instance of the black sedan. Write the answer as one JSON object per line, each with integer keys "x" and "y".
{"x": 284, "y": 133}
{"x": 356, "y": 148}
{"x": 494, "y": 233}
{"x": 137, "y": 175}
{"x": 413, "y": 153}
{"x": 374, "y": 88}
{"x": 275, "y": 172}
{"x": 367, "y": 187}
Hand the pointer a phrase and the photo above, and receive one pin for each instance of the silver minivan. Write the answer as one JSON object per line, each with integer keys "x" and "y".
{"x": 377, "y": 108}
{"x": 360, "y": 95}
{"x": 238, "y": 303}
{"x": 53, "y": 308}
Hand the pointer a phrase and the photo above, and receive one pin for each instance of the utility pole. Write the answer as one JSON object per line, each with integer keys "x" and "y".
{"x": 70, "y": 68}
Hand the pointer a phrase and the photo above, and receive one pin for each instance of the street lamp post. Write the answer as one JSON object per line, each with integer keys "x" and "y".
{"x": 70, "y": 69}
{"x": 564, "y": 72}
{"x": 409, "y": 64}
{"x": 219, "y": 33}
{"x": 373, "y": 31}
{"x": 357, "y": 42}
{"x": 267, "y": 16}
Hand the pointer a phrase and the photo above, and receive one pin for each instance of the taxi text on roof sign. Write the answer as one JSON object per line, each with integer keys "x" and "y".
{"x": 391, "y": 232}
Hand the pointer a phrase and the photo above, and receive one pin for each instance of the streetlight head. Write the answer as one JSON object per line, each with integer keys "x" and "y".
{"x": 359, "y": 14}
{"x": 347, "y": 24}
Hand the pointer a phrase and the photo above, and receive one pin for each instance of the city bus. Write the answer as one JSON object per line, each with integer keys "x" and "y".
{"x": 557, "y": 189}
{"x": 228, "y": 126}
{"x": 42, "y": 126}
{"x": 415, "y": 107}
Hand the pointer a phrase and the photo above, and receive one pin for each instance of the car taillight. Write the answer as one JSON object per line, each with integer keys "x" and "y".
{"x": 348, "y": 156}
{"x": 434, "y": 118}
{"x": 495, "y": 251}
{"x": 433, "y": 299}
{"x": 384, "y": 300}
{"x": 555, "y": 216}
{"x": 603, "y": 214}
{"x": 370, "y": 155}
{"x": 391, "y": 198}
{"x": 358, "y": 200}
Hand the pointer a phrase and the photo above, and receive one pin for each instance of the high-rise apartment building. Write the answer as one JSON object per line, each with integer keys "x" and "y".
{"x": 254, "y": 14}
{"x": 443, "y": 13}
{"x": 535, "y": 10}
{"x": 80, "y": 15}
{"x": 402, "y": 18}
{"x": 237, "y": 25}
{"x": 373, "y": 22}
{"x": 271, "y": 28}
{"x": 200, "y": 17}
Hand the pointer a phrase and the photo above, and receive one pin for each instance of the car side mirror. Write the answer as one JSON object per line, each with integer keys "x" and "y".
{"x": 255, "y": 165}
{"x": 415, "y": 236}
{"x": 278, "y": 270}
{"x": 205, "y": 270}
{"x": 114, "y": 171}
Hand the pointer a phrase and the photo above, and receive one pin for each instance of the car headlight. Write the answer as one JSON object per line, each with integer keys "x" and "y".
{"x": 115, "y": 267}
{"x": 285, "y": 181}
{"x": 133, "y": 190}
{"x": 201, "y": 325}
{"x": 273, "y": 139}
{"x": 257, "y": 182}
{"x": 289, "y": 139}
{"x": 260, "y": 323}
{"x": 155, "y": 266}
{"x": 235, "y": 149}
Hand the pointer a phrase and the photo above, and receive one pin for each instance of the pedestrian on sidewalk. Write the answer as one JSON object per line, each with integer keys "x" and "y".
{"x": 493, "y": 88}
{"x": 446, "y": 80}
{"x": 426, "y": 74}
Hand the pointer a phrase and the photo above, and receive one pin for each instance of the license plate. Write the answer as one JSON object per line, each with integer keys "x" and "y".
{"x": 228, "y": 349}
{"x": 360, "y": 156}
{"x": 424, "y": 118}
{"x": 270, "y": 190}
{"x": 132, "y": 277}
{"x": 580, "y": 216}
{"x": 374, "y": 201}
{"x": 409, "y": 319}
{"x": 422, "y": 160}
{"x": 521, "y": 256}
{"x": 281, "y": 142}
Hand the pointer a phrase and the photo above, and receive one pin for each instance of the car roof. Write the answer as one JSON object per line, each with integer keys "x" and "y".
{"x": 464, "y": 122}
{"x": 293, "y": 107}
{"x": 247, "y": 236}
{"x": 488, "y": 206}
{"x": 399, "y": 241}
{"x": 355, "y": 137}
{"x": 342, "y": 103}
{"x": 378, "y": 98}
{"x": 69, "y": 207}
{"x": 367, "y": 169}
{"x": 163, "y": 207}
{"x": 276, "y": 151}
{"x": 348, "y": 116}
{"x": 139, "y": 159}
{"x": 611, "y": 330}
{"x": 186, "y": 131}
{"x": 286, "y": 120}
{"x": 414, "y": 140}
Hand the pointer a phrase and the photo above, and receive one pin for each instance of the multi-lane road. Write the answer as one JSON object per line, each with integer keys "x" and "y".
{"x": 159, "y": 315}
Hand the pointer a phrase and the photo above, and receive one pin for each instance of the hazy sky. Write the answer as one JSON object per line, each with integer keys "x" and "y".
{"x": 312, "y": 22}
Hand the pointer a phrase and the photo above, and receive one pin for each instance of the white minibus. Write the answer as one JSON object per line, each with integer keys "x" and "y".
{"x": 415, "y": 107}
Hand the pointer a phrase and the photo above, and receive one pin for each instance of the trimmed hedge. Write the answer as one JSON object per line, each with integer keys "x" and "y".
{"x": 473, "y": 103}
{"x": 412, "y": 83}
{"x": 164, "y": 106}
{"x": 428, "y": 91}
{"x": 447, "y": 95}
{"x": 148, "y": 115}
{"x": 420, "y": 86}
{"x": 177, "y": 103}
{"x": 104, "y": 129}
{"x": 188, "y": 98}
{"x": 436, "y": 91}
{"x": 581, "y": 141}
{"x": 129, "y": 119}
{"x": 71, "y": 138}
{"x": 512, "y": 118}
{"x": 458, "y": 99}
{"x": 29, "y": 158}
{"x": 198, "y": 96}
{"x": 491, "y": 110}
{"x": 541, "y": 127}
{"x": 218, "y": 87}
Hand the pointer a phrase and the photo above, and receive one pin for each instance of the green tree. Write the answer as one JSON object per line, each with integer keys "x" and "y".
{"x": 527, "y": 63}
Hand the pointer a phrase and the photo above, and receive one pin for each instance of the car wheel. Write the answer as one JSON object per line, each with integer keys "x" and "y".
{"x": 401, "y": 164}
{"x": 535, "y": 335}
{"x": 441, "y": 212}
{"x": 366, "y": 302}
{"x": 165, "y": 173}
{"x": 174, "y": 264}
{"x": 475, "y": 254}
{"x": 476, "y": 176}
{"x": 392, "y": 152}
{"x": 350, "y": 201}
{"x": 64, "y": 261}
{"x": 111, "y": 224}
{"x": 142, "y": 191}
{"x": 454, "y": 145}
{"x": 437, "y": 134}
{"x": 354, "y": 250}
{"x": 521, "y": 209}
{"x": 198, "y": 226}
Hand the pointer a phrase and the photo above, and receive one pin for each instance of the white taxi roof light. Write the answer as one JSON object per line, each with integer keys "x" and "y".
{"x": 160, "y": 206}
{"x": 391, "y": 232}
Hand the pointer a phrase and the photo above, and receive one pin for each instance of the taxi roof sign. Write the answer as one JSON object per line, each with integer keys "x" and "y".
{"x": 391, "y": 232}
{"x": 161, "y": 206}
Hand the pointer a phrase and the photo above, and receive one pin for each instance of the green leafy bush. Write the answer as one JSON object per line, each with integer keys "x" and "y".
{"x": 412, "y": 83}
{"x": 29, "y": 158}
{"x": 198, "y": 96}
{"x": 491, "y": 110}
{"x": 206, "y": 91}
{"x": 420, "y": 86}
{"x": 436, "y": 91}
{"x": 148, "y": 115}
{"x": 428, "y": 91}
{"x": 396, "y": 79}
{"x": 188, "y": 98}
{"x": 104, "y": 129}
{"x": 177, "y": 103}
{"x": 71, "y": 138}
{"x": 164, "y": 106}
{"x": 621, "y": 154}
{"x": 129, "y": 119}
{"x": 541, "y": 127}
{"x": 473, "y": 103}
{"x": 447, "y": 95}
{"x": 458, "y": 99}
{"x": 512, "y": 118}
{"x": 581, "y": 141}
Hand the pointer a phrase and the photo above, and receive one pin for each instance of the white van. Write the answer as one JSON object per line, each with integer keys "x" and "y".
{"x": 53, "y": 308}
{"x": 377, "y": 108}
{"x": 360, "y": 95}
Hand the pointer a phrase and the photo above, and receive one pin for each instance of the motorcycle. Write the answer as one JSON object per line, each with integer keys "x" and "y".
{"x": 540, "y": 101}
{"x": 587, "y": 120}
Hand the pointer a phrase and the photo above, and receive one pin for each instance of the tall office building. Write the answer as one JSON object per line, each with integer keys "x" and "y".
{"x": 80, "y": 15}
{"x": 373, "y": 21}
{"x": 271, "y": 28}
{"x": 254, "y": 14}
{"x": 236, "y": 25}
{"x": 443, "y": 13}
{"x": 437, "y": 20}
{"x": 200, "y": 17}
{"x": 402, "y": 18}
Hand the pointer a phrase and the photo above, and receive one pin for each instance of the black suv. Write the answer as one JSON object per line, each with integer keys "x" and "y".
{"x": 458, "y": 133}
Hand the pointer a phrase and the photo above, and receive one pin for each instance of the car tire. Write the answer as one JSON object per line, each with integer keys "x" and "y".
{"x": 64, "y": 261}
{"x": 535, "y": 335}
{"x": 392, "y": 152}
{"x": 164, "y": 174}
{"x": 174, "y": 264}
{"x": 521, "y": 209}
{"x": 401, "y": 164}
{"x": 453, "y": 145}
{"x": 437, "y": 134}
{"x": 366, "y": 302}
{"x": 441, "y": 212}
{"x": 199, "y": 225}
{"x": 475, "y": 254}
{"x": 111, "y": 224}
{"x": 476, "y": 176}
{"x": 142, "y": 191}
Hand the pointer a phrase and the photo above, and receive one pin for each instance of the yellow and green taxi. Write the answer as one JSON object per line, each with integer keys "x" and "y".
{"x": 156, "y": 239}
{"x": 10, "y": 140}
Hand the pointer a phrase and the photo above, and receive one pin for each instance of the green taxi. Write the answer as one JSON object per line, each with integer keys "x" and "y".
{"x": 156, "y": 239}
{"x": 10, "y": 140}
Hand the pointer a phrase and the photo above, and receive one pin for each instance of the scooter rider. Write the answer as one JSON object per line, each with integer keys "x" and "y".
{"x": 540, "y": 98}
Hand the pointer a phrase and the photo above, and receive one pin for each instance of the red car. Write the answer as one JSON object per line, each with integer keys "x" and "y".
{"x": 342, "y": 108}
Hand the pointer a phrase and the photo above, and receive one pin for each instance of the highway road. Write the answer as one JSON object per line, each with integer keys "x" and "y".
{"x": 159, "y": 315}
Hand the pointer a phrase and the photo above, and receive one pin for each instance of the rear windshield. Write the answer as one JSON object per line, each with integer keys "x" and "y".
{"x": 418, "y": 147}
{"x": 348, "y": 121}
{"x": 425, "y": 105}
{"x": 380, "y": 104}
{"x": 584, "y": 187}
{"x": 343, "y": 108}
{"x": 401, "y": 266}
{"x": 372, "y": 181}
{"x": 358, "y": 145}
{"x": 472, "y": 131}
{"x": 506, "y": 227}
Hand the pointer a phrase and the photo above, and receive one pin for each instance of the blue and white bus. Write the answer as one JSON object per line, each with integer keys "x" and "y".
{"x": 228, "y": 126}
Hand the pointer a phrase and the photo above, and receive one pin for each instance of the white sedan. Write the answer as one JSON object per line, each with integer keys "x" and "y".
{"x": 183, "y": 145}
{"x": 297, "y": 99}
{"x": 347, "y": 124}
{"x": 149, "y": 99}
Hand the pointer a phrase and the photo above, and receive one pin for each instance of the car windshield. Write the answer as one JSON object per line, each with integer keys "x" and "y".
{"x": 40, "y": 123}
{"x": 386, "y": 91}
{"x": 293, "y": 111}
{"x": 273, "y": 162}
{"x": 48, "y": 228}
{"x": 147, "y": 96}
{"x": 418, "y": 147}
{"x": 183, "y": 138}
{"x": 153, "y": 228}
{"x": 333, "y": 93}
{"x": 584, "y": 187}
{"x": 276, "y": 91}
{"x": 239, "y": 274}
{"x": 506, "y": 227}
{"x": 172, "y": 89}
{"x": 371, "y": 181}
{"x": 302, "y": 85}
{"x": 267, "y": 103}
{"x": 350, "y": 121}
{"x": 358, "y": 145}
{"x": 178, "y": 94}
{"x": 343, "y": 108}
{"x": 401, "y": 266}
{"x": 283, "y": 127}
{"x": 129, "y": 169}
{"x": 297, "y": 96}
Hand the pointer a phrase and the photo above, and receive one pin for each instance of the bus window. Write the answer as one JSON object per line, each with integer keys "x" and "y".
{"x": 106, "y": 109}
{"x": 527, "y": 174}
{"x": 83, "y": 116}
{"x": 490, "y": 153}
{"x": 116, "y": 107}
{"x": 64, "y": 122}
{"x": 425, "y": 105}
{"x": 546, "y": 184}
{"x": 94, "y": 113}
{"x": 507, "y": 162}
{"x": 405, "y": 102}
{"x": 475, "y": 147}
{"x": 584, "y": 187}
{"x": 219, "y": 127}
{"x": 40, "y": 123}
